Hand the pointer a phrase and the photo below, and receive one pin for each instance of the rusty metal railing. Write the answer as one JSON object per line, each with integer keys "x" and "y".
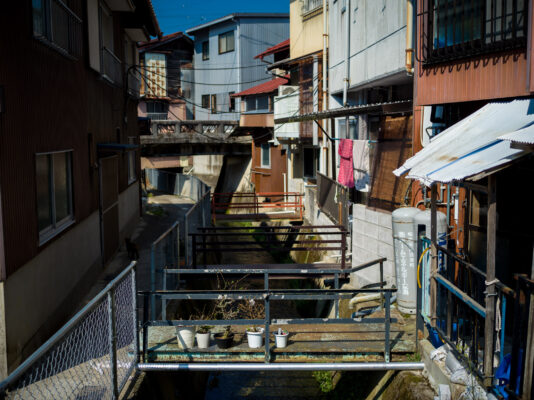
{"x": 257, "y": 206}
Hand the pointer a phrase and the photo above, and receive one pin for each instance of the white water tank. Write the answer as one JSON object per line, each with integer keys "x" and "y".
{"x": 405, "y": 251}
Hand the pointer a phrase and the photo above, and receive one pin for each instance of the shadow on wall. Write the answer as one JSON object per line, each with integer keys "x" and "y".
{"x": 235, "y": 175}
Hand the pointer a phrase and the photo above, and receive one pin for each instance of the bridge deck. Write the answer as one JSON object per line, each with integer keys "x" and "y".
{"x": 361, "y": 342}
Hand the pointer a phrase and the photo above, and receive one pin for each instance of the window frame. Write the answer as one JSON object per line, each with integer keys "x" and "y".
{"x": 205, "y": 50}
{"x": 205, "y": 101}
{"x": 224, "y": 36}
{"x": 265, "y": 147}
{"x": 55, "y": 227}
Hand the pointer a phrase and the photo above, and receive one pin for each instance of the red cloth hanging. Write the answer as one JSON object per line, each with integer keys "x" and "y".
{"x": 346, "y": 171}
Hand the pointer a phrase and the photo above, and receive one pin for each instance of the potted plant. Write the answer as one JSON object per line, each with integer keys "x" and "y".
{"x": 185, "y": 336}
{"x": 254, "y": 337}
{"x": 281, "y": 338}
{"x": 203, "y": 336}
{"x": 225, "y": 339}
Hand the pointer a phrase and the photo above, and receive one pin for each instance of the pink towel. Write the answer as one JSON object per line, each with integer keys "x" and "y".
{"x": 346, "y": 172}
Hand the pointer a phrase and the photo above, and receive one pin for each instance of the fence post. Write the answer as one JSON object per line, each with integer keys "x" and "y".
{"x": 267, "y": 326}
{"x": 135, "y": 314}
{"x": 113, "y": 343}
{"x": 186, "y": 241}
{"x": 343, "y": 246}
{"x": 336, "y": 286}
{"x": 387, "y": 349}
{"x": 145, "y": 325}
{"x": 381, "y": 283}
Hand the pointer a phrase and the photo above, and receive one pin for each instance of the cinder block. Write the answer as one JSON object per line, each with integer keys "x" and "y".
{"x": 385, "y": 235}
{"x": 371, "y": 245}
{"x": 370, "y": 230}
{"x": 384, "y": 219}
{"x": 358, "y": 211}
{"x": 385, "y": 251}
{"x": 371, "y": 216}
{"x": 358, "y": 226}
{"x": 359, "y": 240}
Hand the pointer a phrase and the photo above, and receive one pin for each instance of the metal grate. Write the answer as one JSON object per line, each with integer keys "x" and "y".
{"x": 455, "y": 29}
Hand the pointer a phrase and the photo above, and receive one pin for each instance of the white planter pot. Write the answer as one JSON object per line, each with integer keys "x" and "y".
{"x": 281, "y": 340}
{"x": 203, "y": 340}
{"x": 255, "y": 339}
{"x": 185, "y": 337}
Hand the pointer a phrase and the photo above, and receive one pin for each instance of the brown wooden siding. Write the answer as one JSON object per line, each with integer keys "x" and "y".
{"x": 493, "y": 76}
{"x": 52, "y": 103}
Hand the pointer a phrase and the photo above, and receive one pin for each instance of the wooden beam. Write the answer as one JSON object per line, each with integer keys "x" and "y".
{"x": 489, "y": 327}
{"x": 434, "y": 252}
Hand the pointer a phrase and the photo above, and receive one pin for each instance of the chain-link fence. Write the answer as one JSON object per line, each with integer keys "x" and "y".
{"x": 164, "y": 255}
{"x": 90, "y": 357}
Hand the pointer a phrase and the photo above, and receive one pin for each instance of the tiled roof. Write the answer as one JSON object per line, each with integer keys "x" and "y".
{"x": 266, "y": 87}
{"x": 275, "y": 49}
{"x": 159, "y": 41}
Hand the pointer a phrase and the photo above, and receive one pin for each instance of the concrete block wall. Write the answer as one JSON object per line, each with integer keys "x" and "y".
{"x": 372, "y": 238}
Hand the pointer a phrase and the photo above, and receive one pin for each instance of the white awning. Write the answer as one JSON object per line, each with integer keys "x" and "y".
{"x": 474, "y": 147}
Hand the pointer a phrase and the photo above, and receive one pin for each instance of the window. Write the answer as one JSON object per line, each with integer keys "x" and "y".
{"x": 57, "y": 26}
{"x": 157, "y": 109}
{"x": 231, "y": 106}
{"x": 353, "y": 129}
{"x": 132, "y": 170}
{"x": 310, "y": 158}
{"x": 311, "y": 5}
{"x": 257, "y": 103}
{"x": 265, "y": 155}
{"x": 205, "y": 50}
{"x": 458, "y": 29}
{"x": 226, "y": 42}
{"x": 213, "y": 103}
{"x": 53, "y": 172}
{"x": 206, "y": 101}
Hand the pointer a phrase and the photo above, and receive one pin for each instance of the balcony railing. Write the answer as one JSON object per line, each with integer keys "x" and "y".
{"x": 454, "y": 30}
{"x": 59, "y": 28}
{"x": 111, "y": 66}
{"x": 311, "y": 5}
{"x": 157, "y": 116}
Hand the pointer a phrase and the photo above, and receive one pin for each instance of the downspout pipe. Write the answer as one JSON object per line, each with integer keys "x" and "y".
{"x": 347, "y": 66}
{"x": 325, "y": 87}
{"x": 410, "y": 36}
{"x": 345, "y": 366}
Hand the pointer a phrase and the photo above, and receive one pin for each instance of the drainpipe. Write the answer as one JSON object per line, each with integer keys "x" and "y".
{"x": 347, "y": 67}
{"x": 325, "y": 88}
{"x": 409, "y": 36}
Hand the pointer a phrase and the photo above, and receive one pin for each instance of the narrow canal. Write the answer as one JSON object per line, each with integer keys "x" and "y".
{"x": 278, "y": 384}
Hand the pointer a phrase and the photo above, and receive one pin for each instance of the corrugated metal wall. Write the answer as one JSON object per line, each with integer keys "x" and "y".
{"x": 52, "y": 103}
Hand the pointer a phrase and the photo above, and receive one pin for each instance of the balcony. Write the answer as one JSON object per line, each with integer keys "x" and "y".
{"x": 452, "y": 31}
{"x": 111, "y": 66}
{"x": 157, "y": 116}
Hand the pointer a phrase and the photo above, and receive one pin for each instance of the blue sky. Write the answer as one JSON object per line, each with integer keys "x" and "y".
{"x": 180, "y": 15}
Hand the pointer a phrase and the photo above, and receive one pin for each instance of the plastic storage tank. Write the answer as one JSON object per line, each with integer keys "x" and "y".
{"x": 405, "y": 251}
{"x": 422, "y": 221}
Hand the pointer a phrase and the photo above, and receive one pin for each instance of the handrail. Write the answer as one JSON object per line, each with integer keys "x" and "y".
{"x": 64, "y": 330}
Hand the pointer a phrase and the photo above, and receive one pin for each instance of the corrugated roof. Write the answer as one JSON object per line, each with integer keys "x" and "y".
{"x": 275, "y": 49}
{"x": 235, "y": 15}
{"x": 266, "y": 87}
{"x": 524, "y": 136}
{"x": 473, "y": 147}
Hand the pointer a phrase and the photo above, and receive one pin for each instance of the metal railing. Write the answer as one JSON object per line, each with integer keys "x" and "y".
{"x": 267, "y": 295}
{"x": 111, "y": 66}
{"x": 333, "y": 199}
{"x": 454, "y": 30}
{"x": 258, "y": 205}
{"x": 91, "y": 356}
{"x": 164, "y": 254}
{"x": 157, "y": 116}
{"x": 460, "y": 313}
{"x": 277, "y": 240}
{"x": 61, "y": 28}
